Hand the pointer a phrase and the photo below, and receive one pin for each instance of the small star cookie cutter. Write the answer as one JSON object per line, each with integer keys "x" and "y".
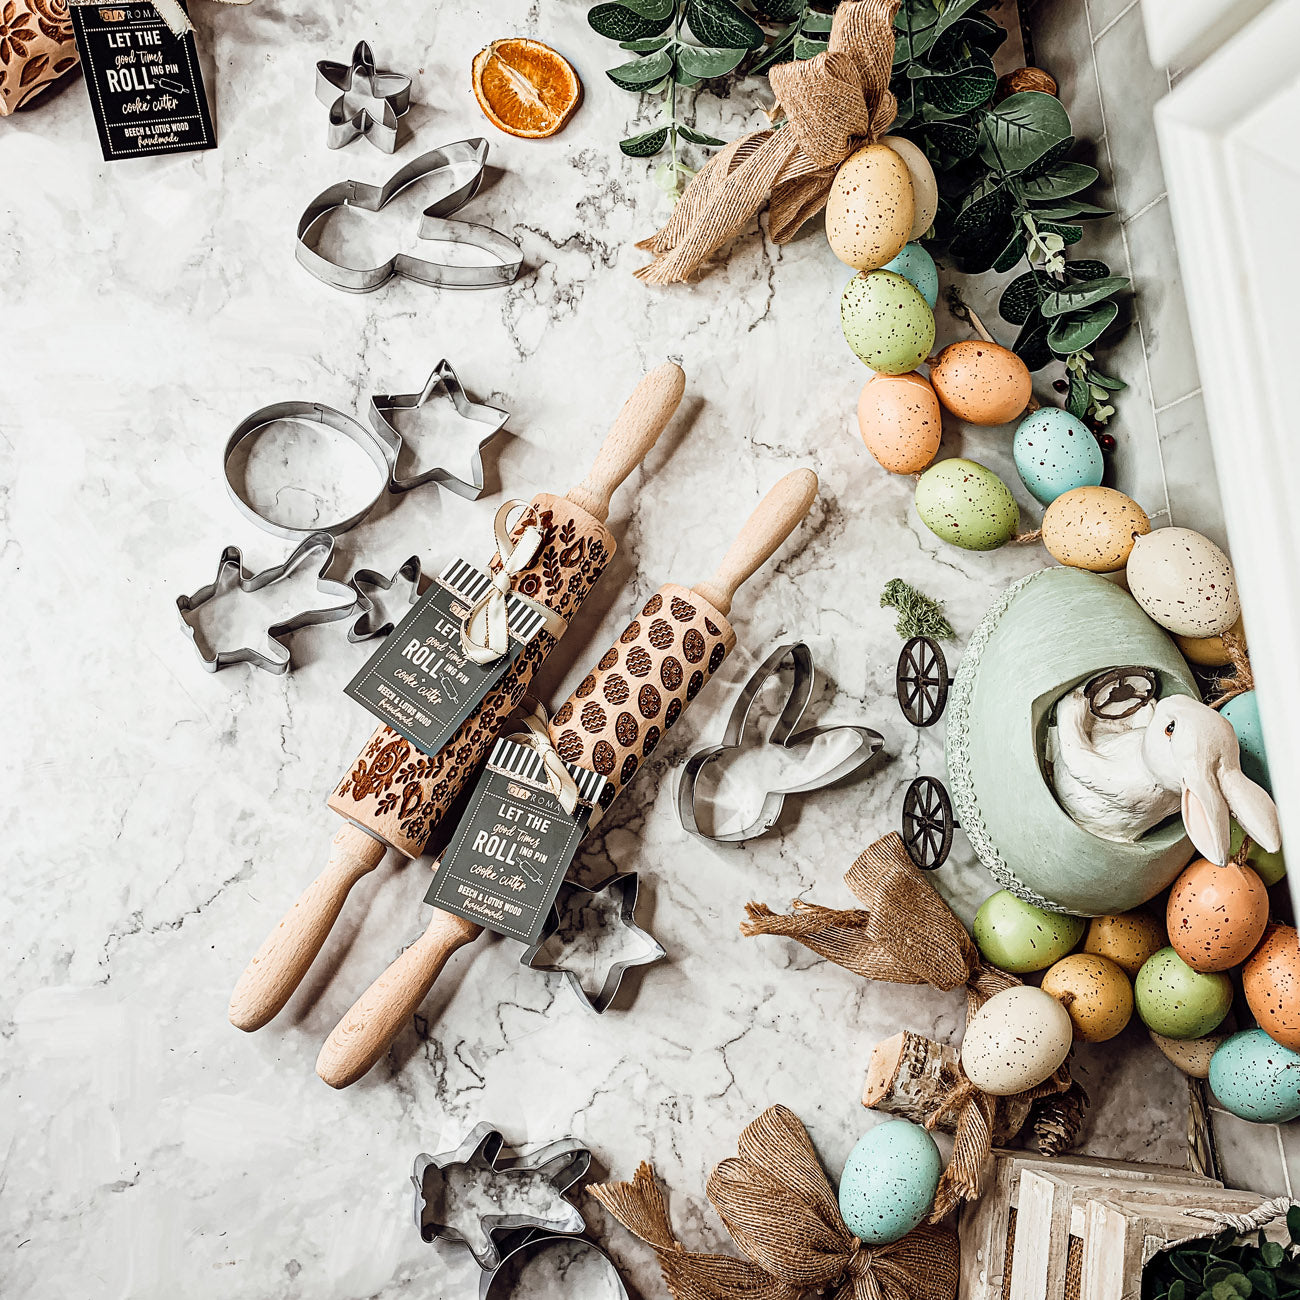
{"x": 233, "y": 561}
{"x": 623, "y": 887}
{"x": 362, "y": 100}
{"x": 363, "y": 628}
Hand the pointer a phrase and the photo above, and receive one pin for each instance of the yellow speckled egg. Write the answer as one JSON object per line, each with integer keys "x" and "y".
{"x": 1093, "y": 528}
{"x": 900, "y": 421}
{"x": 925, "y": 189}
{"x": 1127, "y": 939}
{"x": 1015, "y": 1040}
{"x": 1184, "y": 582}
{"x": 1210, "y": 651}
{"x": 1216, "y": 915}
{"x": 980, "y": 382}
{"x": 870, "y": 209}
{"x": 1271, "y": 979}
{"x": 1095, "y": 993}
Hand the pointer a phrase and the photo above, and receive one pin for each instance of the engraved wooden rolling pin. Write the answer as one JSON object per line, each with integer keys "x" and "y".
{"x": 611, "y": 723}
{"x": 393, "y": 796}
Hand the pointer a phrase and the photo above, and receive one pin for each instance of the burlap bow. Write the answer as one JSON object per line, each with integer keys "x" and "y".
{"x": 782, "y": 1213}
{"x": 833, "y": 103}
{"x": 906, "y": 934}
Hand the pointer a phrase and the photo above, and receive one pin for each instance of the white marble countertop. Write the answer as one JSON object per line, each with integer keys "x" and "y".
{"x": 159, "y": 819}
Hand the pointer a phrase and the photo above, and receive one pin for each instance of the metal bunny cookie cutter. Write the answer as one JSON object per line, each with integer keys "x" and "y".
{"x": 362, "y": 100}
{"x": 456, "y": 172}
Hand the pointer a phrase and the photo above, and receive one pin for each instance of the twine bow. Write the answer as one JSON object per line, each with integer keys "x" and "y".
{"x": 485, "y": 630}
{"x": 537, "y": 738}
{"x": 782, "y": 1214}
{"x": 833, "y": 104}
{"x": 906, "y": 934}
{"x": 172, "y": 12}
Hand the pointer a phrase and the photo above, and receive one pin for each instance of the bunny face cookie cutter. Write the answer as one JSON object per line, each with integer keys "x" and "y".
{"x": 784, "y": 733}
{"x": 456, "y": 172}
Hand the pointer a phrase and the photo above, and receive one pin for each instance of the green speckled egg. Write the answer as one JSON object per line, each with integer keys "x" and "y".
{"x": 1243, "y": 712}
{"x": 1019, "y": 937}
{"x": 1269, "y": 867}
{"x": 1056, "y": 453}
{"x": 1256, "y": 1078}
{"x": 967, "y": 505}
{"x": 886, "y": 322}
{"x": 889, "y": 1181}
{"x": 1177, "y": 1001}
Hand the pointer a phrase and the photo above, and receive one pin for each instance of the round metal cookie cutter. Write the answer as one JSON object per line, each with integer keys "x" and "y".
{"x": 500, "y": 1282}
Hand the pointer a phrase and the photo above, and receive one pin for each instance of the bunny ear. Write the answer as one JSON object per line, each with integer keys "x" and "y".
{"x": 1253, "y": 808}
{"x": 1205, "y": 817}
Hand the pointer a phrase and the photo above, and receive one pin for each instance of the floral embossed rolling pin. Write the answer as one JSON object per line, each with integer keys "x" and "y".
{"x": 393, "y": 794}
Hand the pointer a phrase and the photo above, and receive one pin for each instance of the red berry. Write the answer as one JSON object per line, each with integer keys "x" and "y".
{"x": 1061, "y": 386}
{"x": 1106, "y": 441}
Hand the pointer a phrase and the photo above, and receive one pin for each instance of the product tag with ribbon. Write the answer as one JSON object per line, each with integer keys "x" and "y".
{"x": 525, "y": 819}
{"x": 456, "y": 643}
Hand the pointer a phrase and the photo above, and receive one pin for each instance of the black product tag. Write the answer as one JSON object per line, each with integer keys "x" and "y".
{"x": 145, "y": 87}
{"x": 508, "y": 857}
{"x": 421, "y": 682}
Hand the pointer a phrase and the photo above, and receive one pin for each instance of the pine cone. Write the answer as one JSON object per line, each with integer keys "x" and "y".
{"x": 1056, "y": 1120}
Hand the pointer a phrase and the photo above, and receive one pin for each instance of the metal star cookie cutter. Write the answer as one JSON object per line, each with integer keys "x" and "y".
{"x": 500, "y": 1283}
{"x": 232, "y": 559}
{"x": 623, "y": 886}
{"x": 785, "y": 735}
{"x": 363, "y": 629}
{"x": 458, "y": 168}
{"x": 441, "y": 383}
{"x": 353, "y": 91}
{"x": 556, "y": 1166}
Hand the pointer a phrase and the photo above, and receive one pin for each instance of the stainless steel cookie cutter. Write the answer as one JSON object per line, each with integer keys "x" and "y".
{"x": 354, "y": 91}
{"x": 622, "y": 886}
{"x": 499, "y": 1283}
{"x": 442, "y": 382}
{"x": 555, "y": 1167}
{"x": 784, "y": 734}
{"x": 232, "y": 560}
{"x": 363, "y": 628}
{"x": 458, "y": 169}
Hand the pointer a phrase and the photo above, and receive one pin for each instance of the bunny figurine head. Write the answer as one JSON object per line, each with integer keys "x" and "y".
{"x": 1189, "y": 747}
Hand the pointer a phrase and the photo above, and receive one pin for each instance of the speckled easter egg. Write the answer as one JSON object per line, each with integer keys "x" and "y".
{"x": 1243, "y": 712}
{"x": 1127, "y": 939}
{"x": 1015, "y": 1040}
{"x": 1184, "y": 582}
{"x": 925, "y": 188}
{"x": 1210, "y": 651}
{"x": 1269, "y": 867}
{"x": 917, "y": 267}
{"x": 967, "y": 505}
{"x": 870, "y": 208}
{"x": 900, "y": 421}
{"x": 1271, "y": 978}
{"x": 1177, "y": 1001}
{"x": 1193, "y": 1055}
{"x": 1216, "y": 915}
{"x": 1095, "y": 993}
{"x": 889, "y": 1181}
{"x": 1256, "y": 1078}
{"x": 1019, "y": 937}
{"x": 980, "y": 382}
{"x": 886, "y": 322}
{"x": 1055, "y": 453}
{"x": 1093, "y": 528}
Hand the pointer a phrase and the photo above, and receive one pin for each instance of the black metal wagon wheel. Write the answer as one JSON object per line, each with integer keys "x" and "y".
{"x": 928, "y": 823}
{"x": 922, "y": 681}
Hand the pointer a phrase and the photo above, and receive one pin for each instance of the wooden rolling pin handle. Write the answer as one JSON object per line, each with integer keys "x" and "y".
{"x": 638, "y": 426}
{"x": 377, "y": 1016}
{"x": 778, "y": 515}
{"x": 282, "y": 961}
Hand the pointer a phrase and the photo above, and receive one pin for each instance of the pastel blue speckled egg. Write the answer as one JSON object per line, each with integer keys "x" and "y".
{"x": 1055, "y": 453}
{"x": 1243, "y": 712}
{"x": 916, "y": 265}
{"x": 1256, "y": 1078}
{"x": 889, "y": 1181}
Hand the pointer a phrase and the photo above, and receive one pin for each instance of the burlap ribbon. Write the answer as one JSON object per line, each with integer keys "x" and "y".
{"x": 782, "y": 1213}
{"x": 833, "y": 103}
{"x": 906, "y": 934}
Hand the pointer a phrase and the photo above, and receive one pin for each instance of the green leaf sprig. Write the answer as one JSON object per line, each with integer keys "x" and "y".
{"x": 1228, "y": 1267}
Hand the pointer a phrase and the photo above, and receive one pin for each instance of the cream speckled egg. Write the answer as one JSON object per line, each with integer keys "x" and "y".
{"x": 1184, "y": 582}
{"x": 1093, "y": 528}
{"x": 870, "y": 209}
{"x": 967, "y": 504}
{"x": 1216, "y": 915}
{"x": 1192, "y": 1055}
{"x": 925, "y": 189}
{"x": 886, "y": 322}
{"x": 900, "y": 423}
{"x": 980, "y": 382}
{"x": 1015, "y": 1040}
{"x": 1095, "y": 993}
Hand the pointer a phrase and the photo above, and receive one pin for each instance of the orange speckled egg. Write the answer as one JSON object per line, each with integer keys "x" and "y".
{"x": 900, "y": 421}
{"x": 980, "y": 382}
{"x": 1093, "y": 528}
{"x": 1272, "y": 981}
{"x": 1095, "y": 993}
{"x": 1216, "y": 915}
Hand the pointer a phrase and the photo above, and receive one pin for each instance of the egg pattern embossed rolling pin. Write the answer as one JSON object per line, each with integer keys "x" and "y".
{"x": 611, "y": 722}
{"x": 393, "y": 795}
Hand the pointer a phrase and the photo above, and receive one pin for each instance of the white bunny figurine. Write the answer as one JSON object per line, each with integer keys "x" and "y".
{"x": 1119, "y": 777}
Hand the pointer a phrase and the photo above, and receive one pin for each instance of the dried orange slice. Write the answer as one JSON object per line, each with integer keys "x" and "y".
{"x": 524, "y": 87}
